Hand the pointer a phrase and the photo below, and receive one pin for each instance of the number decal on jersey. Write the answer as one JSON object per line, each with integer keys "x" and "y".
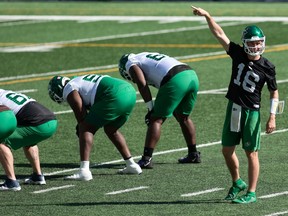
{"x": 249, "y": 81}
{"x": 90, "y": 78}
{"x": 156, "y": 57}
{"x": 17, "y": 98}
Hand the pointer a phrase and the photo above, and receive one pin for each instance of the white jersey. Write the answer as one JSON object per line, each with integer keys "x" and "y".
{"x": 154, "y": 65}
{"x": 14, "y": 100}
{"x": 86, "y": 86}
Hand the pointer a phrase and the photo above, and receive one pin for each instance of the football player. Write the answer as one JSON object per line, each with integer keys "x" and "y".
{"x": 177, "y": 86}
{"x": 250, "y": 71}
{"x": 97, "y": 101}
{"x": 35, "y": 123}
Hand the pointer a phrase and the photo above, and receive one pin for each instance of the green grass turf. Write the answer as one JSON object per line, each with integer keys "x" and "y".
{"x": 165, "y": 184}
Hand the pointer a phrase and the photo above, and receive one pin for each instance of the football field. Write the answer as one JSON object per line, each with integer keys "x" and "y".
{"x": 40, "y": 40}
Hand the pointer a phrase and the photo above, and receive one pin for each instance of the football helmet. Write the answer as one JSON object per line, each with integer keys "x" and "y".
{"x": 56, "y": 86}
{"x": 253, "y": 33}
{"x": 122, "y": 67}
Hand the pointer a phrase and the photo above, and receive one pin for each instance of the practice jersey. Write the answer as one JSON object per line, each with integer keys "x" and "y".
{"x": 248, "y": 78}
{"x": 15, "y": 101}
{"x": 86, "y": 86}
{"x": 26, "y": 109}
{"x": 154, "y": 66}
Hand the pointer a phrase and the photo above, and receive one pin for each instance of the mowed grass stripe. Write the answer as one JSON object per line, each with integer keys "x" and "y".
{"x": 79, "y": 72}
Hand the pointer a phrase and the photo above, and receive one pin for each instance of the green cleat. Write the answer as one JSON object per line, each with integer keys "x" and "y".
{"x": 237, "y": 187}
{"x": 249, "y": 197}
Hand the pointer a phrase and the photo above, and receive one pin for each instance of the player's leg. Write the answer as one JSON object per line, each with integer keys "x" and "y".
{"x": 32, "y": 154}
{"x": 251, "y": 145}
{"x": 7, "y": 127}
{"x": 190, "y": 85}
{"x": 230, "y": 140}
{"x": 253, "y": 169}
{"x": 7, "y": 162}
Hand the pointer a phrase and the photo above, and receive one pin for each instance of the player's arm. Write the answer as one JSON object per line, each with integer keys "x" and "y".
{"x": 75, "y": 101}
{"x": 216, "y": 29}
{"x": 274, "y": 100}
{"x": 139, "y": 78}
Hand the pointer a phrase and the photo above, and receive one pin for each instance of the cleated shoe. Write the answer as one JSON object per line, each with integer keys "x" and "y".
{"x": 193, "y": 157}
{"x": 145, "y": 162}
{"x": 236, "y": 189}
{"x": 35, "y": 179}
{"x": 10, "y": 185}
{"x": 131, "y": 169}
{"x": 249, "y": 197}
{"x": 82, "y": 175}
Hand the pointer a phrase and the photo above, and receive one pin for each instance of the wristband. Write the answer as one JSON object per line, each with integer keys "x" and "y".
{"x": 150, "y": 105}
{"x": 273, "y": 105}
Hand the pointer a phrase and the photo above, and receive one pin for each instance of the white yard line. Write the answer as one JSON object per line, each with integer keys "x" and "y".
{"x": 156, "y": 153}
{"x": 53, "y": 189}
{"x": 127, "y": 190}
{"x": 138, "y": 18}
{"x": 274, "y": 195}
{"x": 278, "y": 213}
{"x": 202, "y": 192}
{"x": 46, "y": 47}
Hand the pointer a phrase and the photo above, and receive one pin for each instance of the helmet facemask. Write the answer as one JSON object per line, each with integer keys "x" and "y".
{"x": 56, "y": 87}
{"x": 253, "y": 34}
{"x": 122, "y": 67}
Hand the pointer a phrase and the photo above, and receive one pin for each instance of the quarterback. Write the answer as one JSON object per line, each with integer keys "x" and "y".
{"x": 250, "y": 71}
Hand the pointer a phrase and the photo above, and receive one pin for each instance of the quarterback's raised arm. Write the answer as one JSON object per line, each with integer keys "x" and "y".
{"x": 216, "y": 30}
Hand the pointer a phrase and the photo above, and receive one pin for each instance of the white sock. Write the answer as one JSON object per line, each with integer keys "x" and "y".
{"x": 85, "y": 165}
{"x": 129, "y": 161}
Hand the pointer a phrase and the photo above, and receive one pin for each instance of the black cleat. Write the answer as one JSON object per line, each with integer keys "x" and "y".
{"x": 193, "y": 157}
{"x": 35, "y": 179}
{"x": 146, "y": 162}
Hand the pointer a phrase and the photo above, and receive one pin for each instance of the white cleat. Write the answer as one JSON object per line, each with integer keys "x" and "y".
{"x": 82, "y": 175}
{"x": 131, "y": 169}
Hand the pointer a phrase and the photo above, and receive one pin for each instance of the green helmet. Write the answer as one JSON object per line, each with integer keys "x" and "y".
{"x": 253, "y": 33}
{"x": 122, "y": 67}
{"x": 56, "y": 86}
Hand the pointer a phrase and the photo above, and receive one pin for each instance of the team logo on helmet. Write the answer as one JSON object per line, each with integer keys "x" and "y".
{"x": 56, "y": 86}
{"x": 250, "y": 34}
{"x": 122, "y": 67}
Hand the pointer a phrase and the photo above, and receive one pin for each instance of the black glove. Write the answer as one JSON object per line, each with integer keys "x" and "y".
{"x": 147, "y": 117}
{"x": 77, "y": 130}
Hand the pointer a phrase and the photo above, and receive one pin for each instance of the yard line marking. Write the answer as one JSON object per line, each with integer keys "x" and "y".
{"x": 278, "y": 213}
{"x": 137, "y": 18}
{"x": 27, "y": 90}
{"x": 127, "y": 190}
{"x": 156, "y": 153}
{"x": 202, "y": 192}
{"x": 22, "y": 23}
{"x": 45, "y": 47}
{"x": 274, "y": 195}
{"x": 52, "y": 189}
{"x": 114, "y": 67}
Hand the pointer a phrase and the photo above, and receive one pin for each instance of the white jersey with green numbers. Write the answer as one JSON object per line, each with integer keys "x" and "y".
{"x": 14, "y": 100}
{"x": 86, "y": 86}
{"x": 154, "y": 65}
